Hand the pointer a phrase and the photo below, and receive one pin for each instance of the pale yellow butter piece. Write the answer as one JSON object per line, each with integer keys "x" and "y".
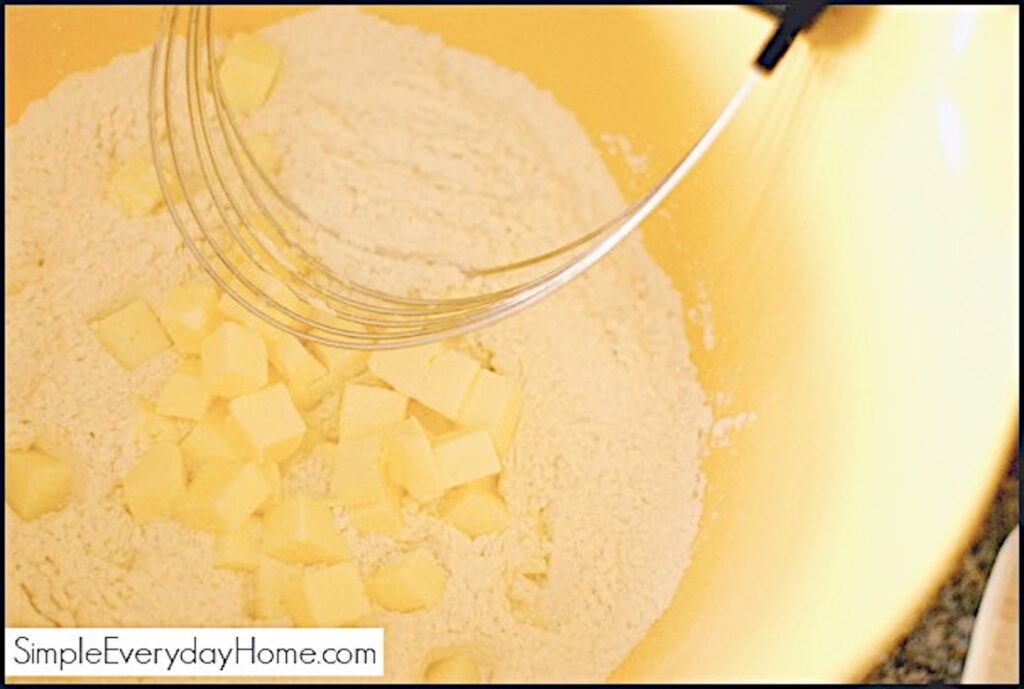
{"x": 455, "y": 669}
{"x": 465, "y": 456}
{"x": 223, "y": 496}
{"x": 183, "y": 396}
{"x": 234, "y": 361}
{"x": 151, "y": 427}
{"x": 230, "y": 308}
{"x": 433, "y": 423}
{"x": 331, "y": 596}
{"x": 294, "y": 362}
{"x": 403, "y": 369}
{"x": 308, "y": 396}
{"x": 269, "y": 423}
{"x": 414, "y": 581}
{"x": 475, "y": 511}
{"x": 248, "y": 71}
{"x": 238, "y": 549}
{"x": 36, "y": 482}
{"x": 155, "y": 486}
{"x": 346, "y": 362}
{"x": 381, "y": 517}
{"x": 446, "y": 382}
{"x": 410, "y": 460}
{"x": 272, "y": 470}
{"x": 368, "y": 409}
{"x": 358, "y": 475}
{"x": 189, "y": 313}
{"x": 494, "y": 402}
{"x": 132, "y": 334}
{"x": 265, "y": 152}
{"x": 210, "y": 440}
{"x": 270, "y": 582}
{"x": 300, "y": 529}
{"x": 135, "y": 187}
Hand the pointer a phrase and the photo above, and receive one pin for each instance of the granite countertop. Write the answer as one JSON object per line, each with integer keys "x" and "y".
{"x": 934, "y": 651}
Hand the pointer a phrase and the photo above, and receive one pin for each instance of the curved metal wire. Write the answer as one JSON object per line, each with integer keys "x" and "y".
{"x": 253, "y": 240}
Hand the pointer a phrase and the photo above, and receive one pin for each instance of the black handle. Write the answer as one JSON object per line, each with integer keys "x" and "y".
{"x": 793, "y": 18}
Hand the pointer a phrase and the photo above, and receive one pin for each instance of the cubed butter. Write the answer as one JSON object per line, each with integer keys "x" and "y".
{"x": 189, "y": 313}
{"x": 414, "y": 581}
{"x": 270, "y": 582}
{"x": 36, "y": 482}
{"x": 234, "y": 361}
{"x": 358, "y": 475}
{"x": 347, "y": 362}
{"x": 495, "y": 403}
{"x": 155, "y": 486}
{"x": 331, "y": 596}
{"x": 403, "y": 369}
{"x": 210, "y": 440}
{"x": 268, "y": 422}
{"x": 151, "y": 427}
{"x": 465, "y": 456}
{"x": 272, "y": 470}
{"x": 132, "y": 334}
{"x": 368, "y": 409}
{"x": 381, "y": 517}
{"x": 223, "y": 496}
{"x": 231, "y": 308}
{"x": 294, "y": 362}
{"x": 300, "y": 529}
{"x": 446, "y": 382}
{"x": 475, "y": 511}
{"x": 308, "y": 396}
{"x": 248, "y": 71}
{"x": 433, "y": 423}
{"x": 410, "y": 460}
{"x": 135, "y": 187}
{"x": 238, "y": 549}
{"x": 183, "y": 396}
{"x": 454, "y": 669}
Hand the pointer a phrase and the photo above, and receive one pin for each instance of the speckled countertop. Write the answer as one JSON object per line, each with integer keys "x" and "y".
{"x": 934, "y": 651}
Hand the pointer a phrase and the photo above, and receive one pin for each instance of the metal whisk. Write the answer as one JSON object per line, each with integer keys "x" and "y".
{"x": 254, "y": 241}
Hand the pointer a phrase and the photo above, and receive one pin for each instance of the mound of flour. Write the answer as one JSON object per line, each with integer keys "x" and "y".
{"x": 414, "y": 147}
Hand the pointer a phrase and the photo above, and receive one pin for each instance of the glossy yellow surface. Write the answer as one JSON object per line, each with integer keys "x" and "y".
{"x": 856, "y": 235}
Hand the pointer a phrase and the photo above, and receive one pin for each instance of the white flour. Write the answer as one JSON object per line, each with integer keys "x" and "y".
{"x": 417, "y": 147}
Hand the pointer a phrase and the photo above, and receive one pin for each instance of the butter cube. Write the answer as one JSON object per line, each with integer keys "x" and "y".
{"x": 151, "y": 427}
{"x": 294, "y": 362}
{"x": 132, "y": 334}
{"x": 135, "y": 187}
{"x": 265, "y": 152}
{"x": 433, "y": 423}
{"x": 238, "y": 549}
{"x": 410, "y": 460}
{"x": 475, "y": 511}
{"x": 413, "y": 582}
{"x": 358, "y": 477}
{"x": 403, "y": 369}
{"x": 381, "y": 517}
{"x": 272, "y": 471}
{"x": 347, "y": 362}
{"x": 230, "y": 308}
{"x": 368, "y": 409}
{"x": 189, "y": 314}
{"x": 466, "y": 456}
{"x": 270, "y": 582}
{"x": 223, "y": 496}
{"x": 331, "y": 596}
{"x": 308, "y": 396}
{"x": 446, "y": 382}
{"x": 234, "y": 361}
{"x": 183, "y": 396}
{"x": 456, "y": 669}
{"x": 495, "y": 403}
{"x": 210, "y": 440}
{"x": 300, "y": 529}
{"x": 248, "y": 71}
{"x": 269, "y": 423}
{"x": 36, "y": 483}
{"x": 155, "y": 486}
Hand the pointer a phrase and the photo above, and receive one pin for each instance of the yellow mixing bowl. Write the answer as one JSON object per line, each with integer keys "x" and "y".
{"x": 855, "y": 234}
